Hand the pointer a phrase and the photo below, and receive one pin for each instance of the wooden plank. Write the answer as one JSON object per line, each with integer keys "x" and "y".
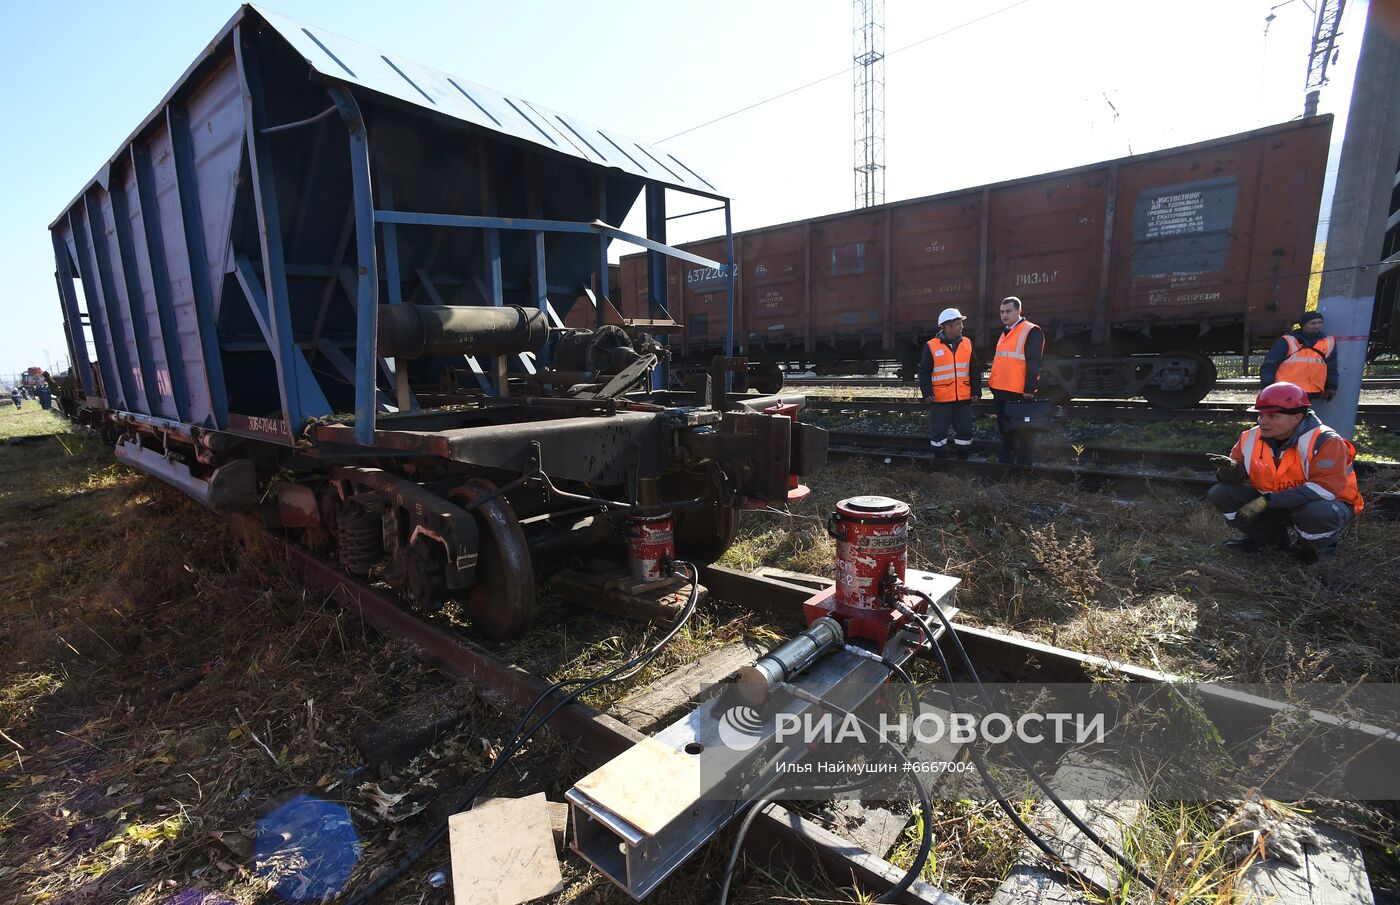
{"x": 1333, "y": 872}
{"x": 798, "y": 839}
{"x": 503, "y": 852}
{"x": 1104, "y": 797}
{"x": 648, "y": 708}
{"x": 613, "y": 592}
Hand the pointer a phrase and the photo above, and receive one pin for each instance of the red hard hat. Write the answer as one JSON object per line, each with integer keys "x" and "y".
{"x": 1288, "y": 398}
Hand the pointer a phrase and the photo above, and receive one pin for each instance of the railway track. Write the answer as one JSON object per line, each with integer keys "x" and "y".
{"x": 1384, "y": 416}
{"x": 779, "y": 834}
{"x": 1226, "y": 383}
{"x": 1121, "y": 469}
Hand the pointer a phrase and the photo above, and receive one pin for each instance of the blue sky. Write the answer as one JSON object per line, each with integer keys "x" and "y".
{"x": 1042, "y": 85}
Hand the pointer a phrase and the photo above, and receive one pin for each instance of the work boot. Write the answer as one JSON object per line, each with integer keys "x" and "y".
{"x": 1242, "y": 545}
{"x": 963, "y": 453}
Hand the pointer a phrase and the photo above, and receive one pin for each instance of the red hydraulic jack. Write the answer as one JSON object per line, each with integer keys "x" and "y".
{"x": 872, "y": 540}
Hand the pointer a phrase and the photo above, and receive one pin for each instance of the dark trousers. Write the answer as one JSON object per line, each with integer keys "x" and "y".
{"x": 958, "y": 416}
{"x": 1318, "y": 523}
{"x": 1017, "y": 445}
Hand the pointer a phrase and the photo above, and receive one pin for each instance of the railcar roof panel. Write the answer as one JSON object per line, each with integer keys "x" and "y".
{"x": 339, "y": 58}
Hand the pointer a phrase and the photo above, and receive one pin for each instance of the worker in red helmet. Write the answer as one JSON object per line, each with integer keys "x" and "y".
{"x": 950, "y": 379}
{"x": 1290, "y": 472}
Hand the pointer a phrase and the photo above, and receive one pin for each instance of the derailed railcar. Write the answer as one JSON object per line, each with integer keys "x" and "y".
{"x": 331, "y": 285}
{"x": 1139, "y": 268}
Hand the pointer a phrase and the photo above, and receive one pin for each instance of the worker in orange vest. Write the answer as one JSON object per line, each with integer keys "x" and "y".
{"x": 1015, "y": 377}
{"x": 1306, "y": 357}
{"x": 950, "y": 379}
{"x": 1289, "y": 472}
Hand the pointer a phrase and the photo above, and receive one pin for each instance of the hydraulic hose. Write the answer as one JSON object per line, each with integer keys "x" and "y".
{"x": 926, "y": 838}
{"x": 520, "y": 735}
{"x": 1026, "y": 830}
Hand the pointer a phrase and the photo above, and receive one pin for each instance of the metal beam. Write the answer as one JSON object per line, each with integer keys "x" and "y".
{"x": 201, "y": 287}
{"x": 656, "y": 276}
{"x": 160, "y": 278}
{"x": 270, "y": 235}
{"x": 106, "y": 292}
{"x": 312, "y": 401}
{"x": 416, "y": 218}
{"x": 403, "y": 395}
{"x": 135, "y": 309}
{"x": 367, "y": 269}
{"x": 72, "y": 318}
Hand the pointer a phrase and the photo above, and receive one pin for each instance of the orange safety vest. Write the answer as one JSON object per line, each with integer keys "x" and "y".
{"x": 1295, "y": 467}
{"x": 1306, "y": 365}
{"x": 952, "y": 370}
{"x": 1009, "y": 365}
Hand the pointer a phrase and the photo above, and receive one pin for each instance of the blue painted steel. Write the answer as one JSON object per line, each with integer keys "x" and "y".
{"x": 656, "y": 275}
{"x": 367, "y": 269}
{"x": 553, "y": 226}
{"x": 160, "y": 278}
{"x": 729, "y": 281}
{"x": 539, "y": 289}
{"x": 602, "y": 263}
{"x": 140, "y": 326}
{"x": 107, "y": 295}
{"x": 297, "y": 398}
{"x": 404, "y": 397}
{"x": 343, "y": 60}
{"x": 192, "y": 220}
{"x": 72, "y": 319}
{"x": 313, "y": 401}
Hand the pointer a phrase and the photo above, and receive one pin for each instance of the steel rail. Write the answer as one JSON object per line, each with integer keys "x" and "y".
{"x": 599, "y": 736}
{"x": 1386, "y": 416}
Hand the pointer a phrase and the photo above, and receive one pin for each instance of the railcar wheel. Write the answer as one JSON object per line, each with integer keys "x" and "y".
{"x": 1177, "y": 392}
{"x": 768, "y": 380}
{"x": 502, "y": 605}
{"x": 703, "y": 534}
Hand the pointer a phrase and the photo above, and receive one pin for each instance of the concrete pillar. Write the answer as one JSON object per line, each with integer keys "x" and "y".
{"x": 1360, "y": 206}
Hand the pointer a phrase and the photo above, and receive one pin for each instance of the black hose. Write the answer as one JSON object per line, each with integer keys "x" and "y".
{"x": 1020, "y": 753}
{"x": 520, "y": 735}
{"x": 926, "y": 839}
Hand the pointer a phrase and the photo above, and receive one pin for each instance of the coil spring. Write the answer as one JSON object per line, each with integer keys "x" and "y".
{"x": 359, "y": 536}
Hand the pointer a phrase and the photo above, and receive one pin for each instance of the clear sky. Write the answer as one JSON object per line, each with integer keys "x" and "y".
{"x": 1038, "y": 86}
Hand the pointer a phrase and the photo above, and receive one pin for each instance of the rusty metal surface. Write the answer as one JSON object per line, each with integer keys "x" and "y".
{"x": 1216, "y": 234}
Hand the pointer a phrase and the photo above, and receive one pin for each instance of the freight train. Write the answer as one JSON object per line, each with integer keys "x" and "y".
{"x": 1139, "y": 269}
{"x": 328, "y": 286}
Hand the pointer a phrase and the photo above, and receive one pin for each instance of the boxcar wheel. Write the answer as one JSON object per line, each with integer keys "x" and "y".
{"x": 703, "y": 534}
{"x": 1175, "y": 397}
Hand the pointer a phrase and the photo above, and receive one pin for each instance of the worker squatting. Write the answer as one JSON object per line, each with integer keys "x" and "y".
{"x": 930, "y": 728}
{"x": 1289, "y": 483}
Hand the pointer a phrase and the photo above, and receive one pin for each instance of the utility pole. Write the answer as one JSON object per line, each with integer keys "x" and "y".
{"x": 1361, "y": 207}
{"x": 1324, "y": 42}
{"x": 869, "y": 76}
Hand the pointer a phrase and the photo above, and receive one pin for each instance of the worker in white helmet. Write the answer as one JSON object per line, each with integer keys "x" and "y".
{"x": 949, "y": 379}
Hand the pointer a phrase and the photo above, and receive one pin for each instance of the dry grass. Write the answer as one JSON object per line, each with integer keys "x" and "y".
{"x": 1139, "y": 581}
{"x": 162, "y": 679}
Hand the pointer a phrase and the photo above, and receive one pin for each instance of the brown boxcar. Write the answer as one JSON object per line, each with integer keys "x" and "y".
{"x": 1138, "y": 268}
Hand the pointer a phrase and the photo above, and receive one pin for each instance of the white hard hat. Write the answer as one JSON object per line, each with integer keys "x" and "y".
{"x": 950, "y": 314}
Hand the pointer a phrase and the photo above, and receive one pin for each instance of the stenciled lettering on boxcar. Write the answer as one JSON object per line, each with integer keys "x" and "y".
{"x": 770, "y": 301}
{"x": 934, "y": 247}
{"x": 275, "y": 428}
{"x": 1037, "y": 278}
{"x": 847, "y": 260}
{"x": 1181, "y": 238}
{"x": 705, "y": 279}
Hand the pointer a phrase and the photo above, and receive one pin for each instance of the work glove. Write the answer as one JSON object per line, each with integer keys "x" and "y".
{"x": 1328, "y": 393}
{"x": 1227, "y": 470}
{"x": 1029, "y": 397}
{"x": 1252, "y": 510}
{"x": 928, "y": 399}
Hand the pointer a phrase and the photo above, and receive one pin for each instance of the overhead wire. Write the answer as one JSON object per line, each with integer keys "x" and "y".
{"x": 827, "y": 78}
